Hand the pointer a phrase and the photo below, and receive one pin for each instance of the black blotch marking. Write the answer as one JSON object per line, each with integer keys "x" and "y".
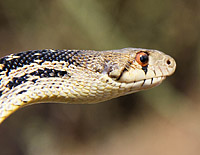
{"x": 34, "y": 80}
{"x": 40, "y": 72}
{"x": 17, "y": 81}
{"x": 28, "y": 57}
{"x": 145, "y": 69}
{"x": 23, "y": 91}
{"x": 1, "y": 92}
{"x": 49, "y": 73}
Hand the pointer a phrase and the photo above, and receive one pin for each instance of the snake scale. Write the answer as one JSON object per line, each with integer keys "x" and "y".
{"x": 78, "y": 76}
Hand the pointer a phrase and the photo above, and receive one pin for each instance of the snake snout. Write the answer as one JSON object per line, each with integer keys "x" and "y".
{"x": 170, "y": 64}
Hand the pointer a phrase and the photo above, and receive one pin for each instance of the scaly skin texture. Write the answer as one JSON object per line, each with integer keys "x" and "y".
{"x": 77, "y": 76}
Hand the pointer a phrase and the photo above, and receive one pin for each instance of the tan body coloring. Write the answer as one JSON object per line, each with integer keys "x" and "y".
{"x": 78, "y": 76}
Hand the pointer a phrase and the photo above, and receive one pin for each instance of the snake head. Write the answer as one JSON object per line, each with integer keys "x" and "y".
{"x": 144, "y": 66}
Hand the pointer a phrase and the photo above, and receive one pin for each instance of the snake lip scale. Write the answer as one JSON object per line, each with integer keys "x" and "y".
{"x": 78, "y": 76}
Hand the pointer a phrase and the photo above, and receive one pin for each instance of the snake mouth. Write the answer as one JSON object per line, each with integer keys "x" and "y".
{"x": 143, "y": 84}
{"x": 152, "y": 81}
{"x": 149, "y": 82}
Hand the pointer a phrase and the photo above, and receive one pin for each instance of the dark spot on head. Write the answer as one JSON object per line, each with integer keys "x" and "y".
{"x": 145, "y": 69}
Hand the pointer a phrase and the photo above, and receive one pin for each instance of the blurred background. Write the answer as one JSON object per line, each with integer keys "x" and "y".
{"x": 161, "y": 121}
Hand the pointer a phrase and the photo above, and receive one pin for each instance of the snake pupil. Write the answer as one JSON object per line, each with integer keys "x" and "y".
{"x": 144, "y": 58}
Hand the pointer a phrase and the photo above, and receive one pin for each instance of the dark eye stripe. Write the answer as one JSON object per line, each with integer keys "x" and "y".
{"x": 145, "y": 69}
{"x": 124, "y": 70}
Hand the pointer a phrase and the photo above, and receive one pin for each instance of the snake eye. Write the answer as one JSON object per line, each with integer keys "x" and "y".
{"x": 142, "y": 58}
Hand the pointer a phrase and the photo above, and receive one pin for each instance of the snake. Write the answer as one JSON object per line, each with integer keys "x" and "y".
{"x": 78, "y": 76}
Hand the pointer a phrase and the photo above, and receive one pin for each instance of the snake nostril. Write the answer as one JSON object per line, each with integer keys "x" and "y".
{"x": 168, "y": 62}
